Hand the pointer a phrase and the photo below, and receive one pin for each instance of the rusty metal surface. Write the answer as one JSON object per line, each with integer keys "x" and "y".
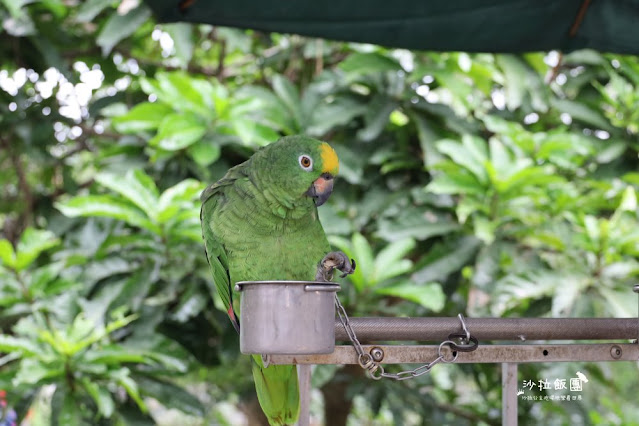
{"x": 509, "y": 397}
{"x": 515, "y": 329}
{"x": 523, "y": 353}
{"x": 304, "y": 378}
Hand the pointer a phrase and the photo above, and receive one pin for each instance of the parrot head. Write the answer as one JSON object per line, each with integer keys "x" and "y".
{"x": 299, "y": 167}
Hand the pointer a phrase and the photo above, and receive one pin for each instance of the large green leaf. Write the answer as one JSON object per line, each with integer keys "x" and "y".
{"x": 428, "y": 295}
{"x": 191, "y": 304}
{"x": 7, "y": 254}
{"x": 290, "y": 96}
{"x": 176, "y": 196}
{"x": 32, "y": 243}
{"x": 613, "y": 150}
{"x": 522, "y": 83}
{"x": 101, "y": 396}
{"x": 115, "y": 355}
{"x": 90, "y": 9}
{"x": 513, "y": 290}
{"x": 119, "y": 27}
{"x": 187, "y": 93}
{"x": 376, "y": 117}
{"x": 18, "y": 344}
{"x": 416, "y": 223}
{"x": 65, "y": 408}
{"x": 271, "y": 109}
{"x": 15, "y": 6}
{"x": 204, "y": 152}
{"x": 528, "y": 177}
{"x": 455, "y": 181}
{"x": 470, "y": 154}
{"x": 136, "y": 186}
{"x": 582, "y": 112}
{"x": 106, "y": 206}
{"x": 33, "y": 371}
{"x": 500, "y": 159}
{"x": 618, "y": 303}
{"x": 123, "y": 378}
{"x": 447, "y": 259}
{"x": 253, "y": 133}
{"x": 363, "y": 254}
{"x": 366, "y": 63}
{"x": 178, "y": 131}
{"x": 41, "y": 278}
{"x": 144, "y": 116}
{"x": 390, "y": 262}
{"x": 515, "y": 83}
{"x": 329, "y": 115}
{"x": 171, "y": 395}
{"x": 428, "y": 136}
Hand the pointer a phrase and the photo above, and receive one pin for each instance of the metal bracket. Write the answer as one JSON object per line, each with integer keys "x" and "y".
{"x": 488, "y": 354}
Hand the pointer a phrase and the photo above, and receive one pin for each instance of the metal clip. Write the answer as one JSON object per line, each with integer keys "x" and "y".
{"x": 465, "y": 346}
{"x": 463, "y": 323}
{"x": 467, "y": 343}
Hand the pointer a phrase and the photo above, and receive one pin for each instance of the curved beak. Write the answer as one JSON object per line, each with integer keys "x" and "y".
{"x": 321, "y": 189}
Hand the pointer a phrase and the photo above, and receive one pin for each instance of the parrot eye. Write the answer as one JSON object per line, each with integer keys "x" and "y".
{"x": 306, "y": 162}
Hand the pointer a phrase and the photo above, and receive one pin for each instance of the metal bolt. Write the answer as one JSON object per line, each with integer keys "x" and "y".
{"x": 377, "y": 354}
{"x": 266, "y": 360}
{"x": 615, "y": 352}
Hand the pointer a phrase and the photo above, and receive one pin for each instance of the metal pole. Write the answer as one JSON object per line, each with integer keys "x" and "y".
{"x": 486, "y": 354}
{"x": 304, "y": 379}
{"x": 635, "y": 288}
{"x": 509, "y": 393}
{"x": 516, "y": 329}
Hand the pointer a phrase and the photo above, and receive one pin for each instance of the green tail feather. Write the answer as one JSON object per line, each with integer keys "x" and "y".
{"x": 278, "y": 391}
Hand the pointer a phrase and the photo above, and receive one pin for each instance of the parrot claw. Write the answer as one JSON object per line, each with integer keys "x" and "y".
{"x": 330, "y": 262}
{"x": 351, "y": 269}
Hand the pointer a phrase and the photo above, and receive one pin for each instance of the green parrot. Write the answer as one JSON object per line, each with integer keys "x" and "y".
{"x": 259, "y": 222}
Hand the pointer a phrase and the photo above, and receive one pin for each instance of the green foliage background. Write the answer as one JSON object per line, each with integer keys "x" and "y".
{"x": 494, "y": 185}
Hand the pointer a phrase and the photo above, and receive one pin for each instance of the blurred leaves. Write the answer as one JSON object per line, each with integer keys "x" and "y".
{"x": 171, "y": 214}
{"x": 120, "y": 26}
{"x": 32, "y": 242}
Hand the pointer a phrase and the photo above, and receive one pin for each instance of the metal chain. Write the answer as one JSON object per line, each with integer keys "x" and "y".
{"x": 375, "y": 369}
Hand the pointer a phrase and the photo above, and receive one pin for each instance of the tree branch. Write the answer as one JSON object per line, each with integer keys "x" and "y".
{"x": 23, "y": 184}
{"x": 319, "y": 56}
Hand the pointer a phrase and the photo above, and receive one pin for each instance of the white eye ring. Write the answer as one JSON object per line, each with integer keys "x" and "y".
{"x": 306, "y": 162}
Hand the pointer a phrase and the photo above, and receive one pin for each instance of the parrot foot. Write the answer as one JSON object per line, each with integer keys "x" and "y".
{"x": 330, "y": 262}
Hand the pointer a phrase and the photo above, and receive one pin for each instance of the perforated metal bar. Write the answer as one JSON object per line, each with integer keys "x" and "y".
{"x": 419, "y": 354}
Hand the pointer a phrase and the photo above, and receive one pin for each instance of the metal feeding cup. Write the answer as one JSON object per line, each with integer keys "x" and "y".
{"x": 287, "y": 317}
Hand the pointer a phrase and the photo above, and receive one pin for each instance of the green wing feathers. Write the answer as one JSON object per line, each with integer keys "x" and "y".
{"x": 215, "y": 252}
{"x": 278, "y": 391}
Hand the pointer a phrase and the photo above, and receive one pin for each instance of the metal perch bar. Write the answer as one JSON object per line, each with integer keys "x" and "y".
{"x": 515, "y": 329}
{"x": 488, "y": 354}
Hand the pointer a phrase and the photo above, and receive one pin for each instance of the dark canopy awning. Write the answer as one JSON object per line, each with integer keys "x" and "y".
{"x": 466, "y": 25}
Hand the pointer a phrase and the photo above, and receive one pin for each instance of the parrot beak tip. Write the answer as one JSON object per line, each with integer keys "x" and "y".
{"x": 319, "y": 200}
{"x": 321, "y": 189}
